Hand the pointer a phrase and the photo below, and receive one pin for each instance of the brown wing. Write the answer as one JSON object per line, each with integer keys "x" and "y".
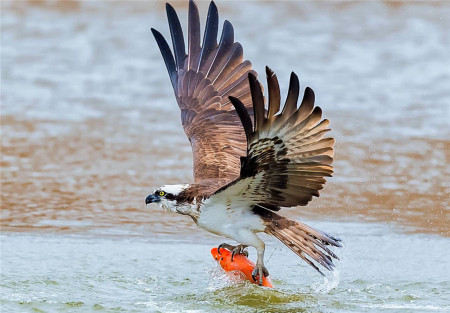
{"x": 203, "y": 79}
{"x": 287, "y": 156}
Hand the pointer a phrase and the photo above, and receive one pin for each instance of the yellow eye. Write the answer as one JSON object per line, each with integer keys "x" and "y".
{"x": 161, "y": 193}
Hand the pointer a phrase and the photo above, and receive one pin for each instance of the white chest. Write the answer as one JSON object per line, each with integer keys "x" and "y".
{"x": 226, "y": 218}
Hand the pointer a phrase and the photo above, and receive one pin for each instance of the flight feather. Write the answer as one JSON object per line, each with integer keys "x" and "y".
{"x": 287, "y": 157}
{"x": 203, "y": 79}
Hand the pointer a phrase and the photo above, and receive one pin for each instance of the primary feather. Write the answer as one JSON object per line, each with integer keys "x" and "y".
{"x": 287, "y": 157}
{"x": 202, "y": 81}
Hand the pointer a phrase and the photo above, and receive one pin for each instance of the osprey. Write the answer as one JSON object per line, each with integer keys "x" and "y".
{"x": 250, "y": 159}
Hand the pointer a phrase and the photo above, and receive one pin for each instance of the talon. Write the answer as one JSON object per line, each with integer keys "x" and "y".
{"x": 239, "y": 249}
{"x": 219, "y": 247}
{"x": 224, "y": 246}
{"x": 259, "y": 272}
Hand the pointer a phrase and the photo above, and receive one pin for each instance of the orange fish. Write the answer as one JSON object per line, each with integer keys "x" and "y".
{"x": 240, "y": 263}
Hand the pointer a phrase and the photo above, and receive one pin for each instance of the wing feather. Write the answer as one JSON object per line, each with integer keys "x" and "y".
{"x": 243, "y": 115}
{"x": 274, "y": 93}
{"x": 167, "y": 56}
{"x": 287, "y": 157}
{"x": 193, "y": 36}
{"x": 225, "y": 44}
{"x": 177, "y": 36}
{"x": 203, "y": 79}
{"x": 258, "y": 101}
{"x": 291, "y": 102}
{"x": 210, "y": 37}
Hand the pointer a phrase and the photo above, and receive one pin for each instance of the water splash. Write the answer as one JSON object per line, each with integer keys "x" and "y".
{"x": 328, "y": 284}
{"x": 220, "y": 279}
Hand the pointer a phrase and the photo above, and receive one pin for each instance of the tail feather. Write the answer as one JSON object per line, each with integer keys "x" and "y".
{"x": 297, "y": 251}
{"x": 308, "y": 243}
{"x": 303, "y": 245}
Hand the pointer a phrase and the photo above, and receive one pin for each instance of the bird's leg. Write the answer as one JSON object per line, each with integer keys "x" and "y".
{"x": 239, "y": 249}
{"x": 260, "y": 270}
{"x": 225, "y": 246}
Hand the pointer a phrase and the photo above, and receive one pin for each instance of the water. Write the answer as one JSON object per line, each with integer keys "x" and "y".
{"x": 89, "y": 126}
{"x": 81, "y": 273}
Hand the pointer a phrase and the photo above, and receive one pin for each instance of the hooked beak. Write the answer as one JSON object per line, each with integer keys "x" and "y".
{"x": 151, "y": 199}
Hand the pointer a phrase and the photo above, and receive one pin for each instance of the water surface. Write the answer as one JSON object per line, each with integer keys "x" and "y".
{"x": 380, "y": 271}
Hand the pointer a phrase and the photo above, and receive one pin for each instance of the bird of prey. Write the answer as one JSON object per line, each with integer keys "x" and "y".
{"x": 252, "y": 156}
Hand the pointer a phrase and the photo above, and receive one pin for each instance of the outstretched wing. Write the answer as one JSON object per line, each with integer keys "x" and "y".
{"x": 203, "y": 79}
{"x": 287, "y": 156}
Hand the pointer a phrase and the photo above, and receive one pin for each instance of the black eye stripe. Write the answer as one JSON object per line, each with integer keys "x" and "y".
{"x": 170, "y": 196}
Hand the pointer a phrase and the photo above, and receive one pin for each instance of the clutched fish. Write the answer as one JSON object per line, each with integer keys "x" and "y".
{"x": 238, "y": 262}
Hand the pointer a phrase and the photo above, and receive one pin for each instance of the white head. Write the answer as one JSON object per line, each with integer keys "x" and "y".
{"x": 167, "y": 197}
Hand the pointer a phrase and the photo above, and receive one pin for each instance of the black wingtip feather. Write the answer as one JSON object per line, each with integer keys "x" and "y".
{"x": 309, "y": 96}
{"x": 227, "y": 38}
{"x": 167, "y": 56}
{"x": 291, "y": 101}
{"x": 223, "y": 50}
{"x": 258, "y": 101}
{"x": 193, "y": 34}
{"x": 244, "y": 117}
{"x": 228, "y": 29}
{"x": 274, "y": 93}
{"x": 211, "y": 30}
{"x": 176, "y": 33}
